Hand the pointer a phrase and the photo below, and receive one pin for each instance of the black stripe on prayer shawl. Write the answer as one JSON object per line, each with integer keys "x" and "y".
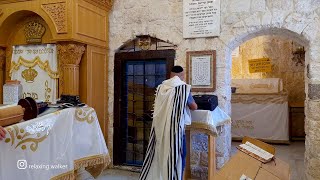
{"x": 176, "y": 134}
{"x": 149, "y": 156}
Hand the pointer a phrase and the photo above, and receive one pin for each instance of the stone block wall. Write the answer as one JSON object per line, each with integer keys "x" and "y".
{"x": 241, "y": 20}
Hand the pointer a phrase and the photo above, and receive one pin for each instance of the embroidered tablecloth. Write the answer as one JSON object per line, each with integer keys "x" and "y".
{"x": 54, "y": 146}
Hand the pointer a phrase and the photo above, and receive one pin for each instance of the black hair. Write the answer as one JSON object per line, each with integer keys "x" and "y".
{"x": 176, "y": 69}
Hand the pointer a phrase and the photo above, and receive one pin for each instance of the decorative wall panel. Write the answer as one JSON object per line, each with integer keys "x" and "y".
{"x": 58, "y": 14}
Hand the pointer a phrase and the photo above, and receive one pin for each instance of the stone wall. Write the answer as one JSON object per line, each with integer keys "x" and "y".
{"x": 279, "y": 51}
{"x": 241, "y": 20}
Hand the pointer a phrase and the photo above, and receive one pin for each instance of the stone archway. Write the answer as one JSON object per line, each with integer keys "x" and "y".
{"x": 312, "y": 87}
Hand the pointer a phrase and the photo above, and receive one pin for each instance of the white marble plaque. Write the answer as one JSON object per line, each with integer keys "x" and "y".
{"x": 201, "y": 18}
{"x": 201, "y": 71}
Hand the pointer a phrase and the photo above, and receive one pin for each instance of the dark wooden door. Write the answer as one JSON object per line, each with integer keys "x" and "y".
{"x": 137, "y": 74}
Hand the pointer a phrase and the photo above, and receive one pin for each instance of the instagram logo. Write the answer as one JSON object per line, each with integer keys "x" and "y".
{"x": 22, "y": 164}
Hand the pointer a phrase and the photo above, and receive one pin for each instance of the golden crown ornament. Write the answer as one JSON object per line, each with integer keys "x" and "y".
{"x": 29, "y": 75}
{"x": 34, "y": 31}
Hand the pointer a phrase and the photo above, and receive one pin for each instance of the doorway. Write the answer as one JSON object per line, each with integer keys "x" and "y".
{"x": 137, "y": 76}
{"x": 274, "y": 116}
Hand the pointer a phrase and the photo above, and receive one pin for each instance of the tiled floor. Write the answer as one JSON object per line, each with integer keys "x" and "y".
{"x": 292, "y": 154}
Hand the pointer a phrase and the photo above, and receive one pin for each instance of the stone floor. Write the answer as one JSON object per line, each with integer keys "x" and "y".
{"x": 292, "y": 154}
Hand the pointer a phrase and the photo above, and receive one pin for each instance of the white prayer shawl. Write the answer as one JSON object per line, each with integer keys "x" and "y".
{"x": 163, "y": 159}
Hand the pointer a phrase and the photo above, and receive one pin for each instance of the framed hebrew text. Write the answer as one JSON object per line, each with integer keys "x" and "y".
{"x": 201, "y": 70}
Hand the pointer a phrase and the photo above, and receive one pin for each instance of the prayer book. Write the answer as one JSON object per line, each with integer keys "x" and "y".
{"x": 256, "y": 152}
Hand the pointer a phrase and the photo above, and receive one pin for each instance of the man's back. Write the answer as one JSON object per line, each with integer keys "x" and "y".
{"x": 164, "y": 157}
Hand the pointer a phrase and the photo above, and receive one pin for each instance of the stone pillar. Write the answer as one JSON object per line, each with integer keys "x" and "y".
{"x": 2, "y": 70}
{"x": 69, "y": 57}
{"x": 312, "y": 126}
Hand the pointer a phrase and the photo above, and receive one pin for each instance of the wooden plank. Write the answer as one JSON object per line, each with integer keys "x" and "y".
{"x": 211, "y": 157}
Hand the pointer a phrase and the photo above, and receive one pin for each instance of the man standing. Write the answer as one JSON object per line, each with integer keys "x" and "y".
{"x": 164, "y": 157}
{"x": 2, "y": 133}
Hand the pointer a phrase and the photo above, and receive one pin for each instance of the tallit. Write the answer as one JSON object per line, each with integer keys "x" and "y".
{"x": 163, "y": 159}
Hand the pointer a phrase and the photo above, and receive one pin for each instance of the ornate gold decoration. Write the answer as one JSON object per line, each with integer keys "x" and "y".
{"x": 29, "y": 75}
{"x": 47, "y": 91}
{"x": 57, "y": 12}
{"x": 91, "y": 161}
{"x": 34, "y": 31}
{"x": 259, "y": 98}
{"x": 1, "y": 12}
{"x": 105, "y": 4}
{"x": 68, "y": 53}
{"x": 93, "y": 164}
{"x": 19, "y": 137}
{"x": 65, "y": 176}
{"x": 144, "y": 43}
{"x": 85, "y": 114}
{"x": 57, "y": 112}
{"x": 30, "y": 64}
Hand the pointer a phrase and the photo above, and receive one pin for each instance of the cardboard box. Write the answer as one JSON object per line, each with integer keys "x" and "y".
{"x": 242, "y": 164}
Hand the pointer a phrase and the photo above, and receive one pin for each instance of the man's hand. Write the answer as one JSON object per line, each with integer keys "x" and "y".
{"x": 2, "y": 133}
{"x": 193, "y": 106}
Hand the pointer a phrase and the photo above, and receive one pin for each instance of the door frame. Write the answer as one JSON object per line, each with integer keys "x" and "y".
{"x": 119, "y": 61}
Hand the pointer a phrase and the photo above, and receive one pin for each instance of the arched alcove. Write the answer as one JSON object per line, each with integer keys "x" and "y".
{"x": 15, "y": 20}
{"x": 310, "y": 58}
{"x": 13, "y": 32}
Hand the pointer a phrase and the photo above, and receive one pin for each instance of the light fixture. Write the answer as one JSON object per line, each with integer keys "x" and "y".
{"x": 298, "y": 53}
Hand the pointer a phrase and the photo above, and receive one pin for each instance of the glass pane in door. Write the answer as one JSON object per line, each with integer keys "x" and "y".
{"x": 141, "y": 79}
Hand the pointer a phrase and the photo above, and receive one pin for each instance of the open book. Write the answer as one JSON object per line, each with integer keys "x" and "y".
{"x": 256, "y": 152}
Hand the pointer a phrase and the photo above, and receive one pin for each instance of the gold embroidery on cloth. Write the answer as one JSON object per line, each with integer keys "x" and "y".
{"x": 94, "y": 165}
{"x": 259, "y": 99}
{"x": 85, "y": 114}
{"x": 30, "y": 64}
{"x": 65, "y": 176}
{"x": 47, "y": 91}
{"x": 29, "y": 75}
{"x": 57, "y": 112}
{"x": 20, "y": 135}
{"x": 92, "y": 161}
